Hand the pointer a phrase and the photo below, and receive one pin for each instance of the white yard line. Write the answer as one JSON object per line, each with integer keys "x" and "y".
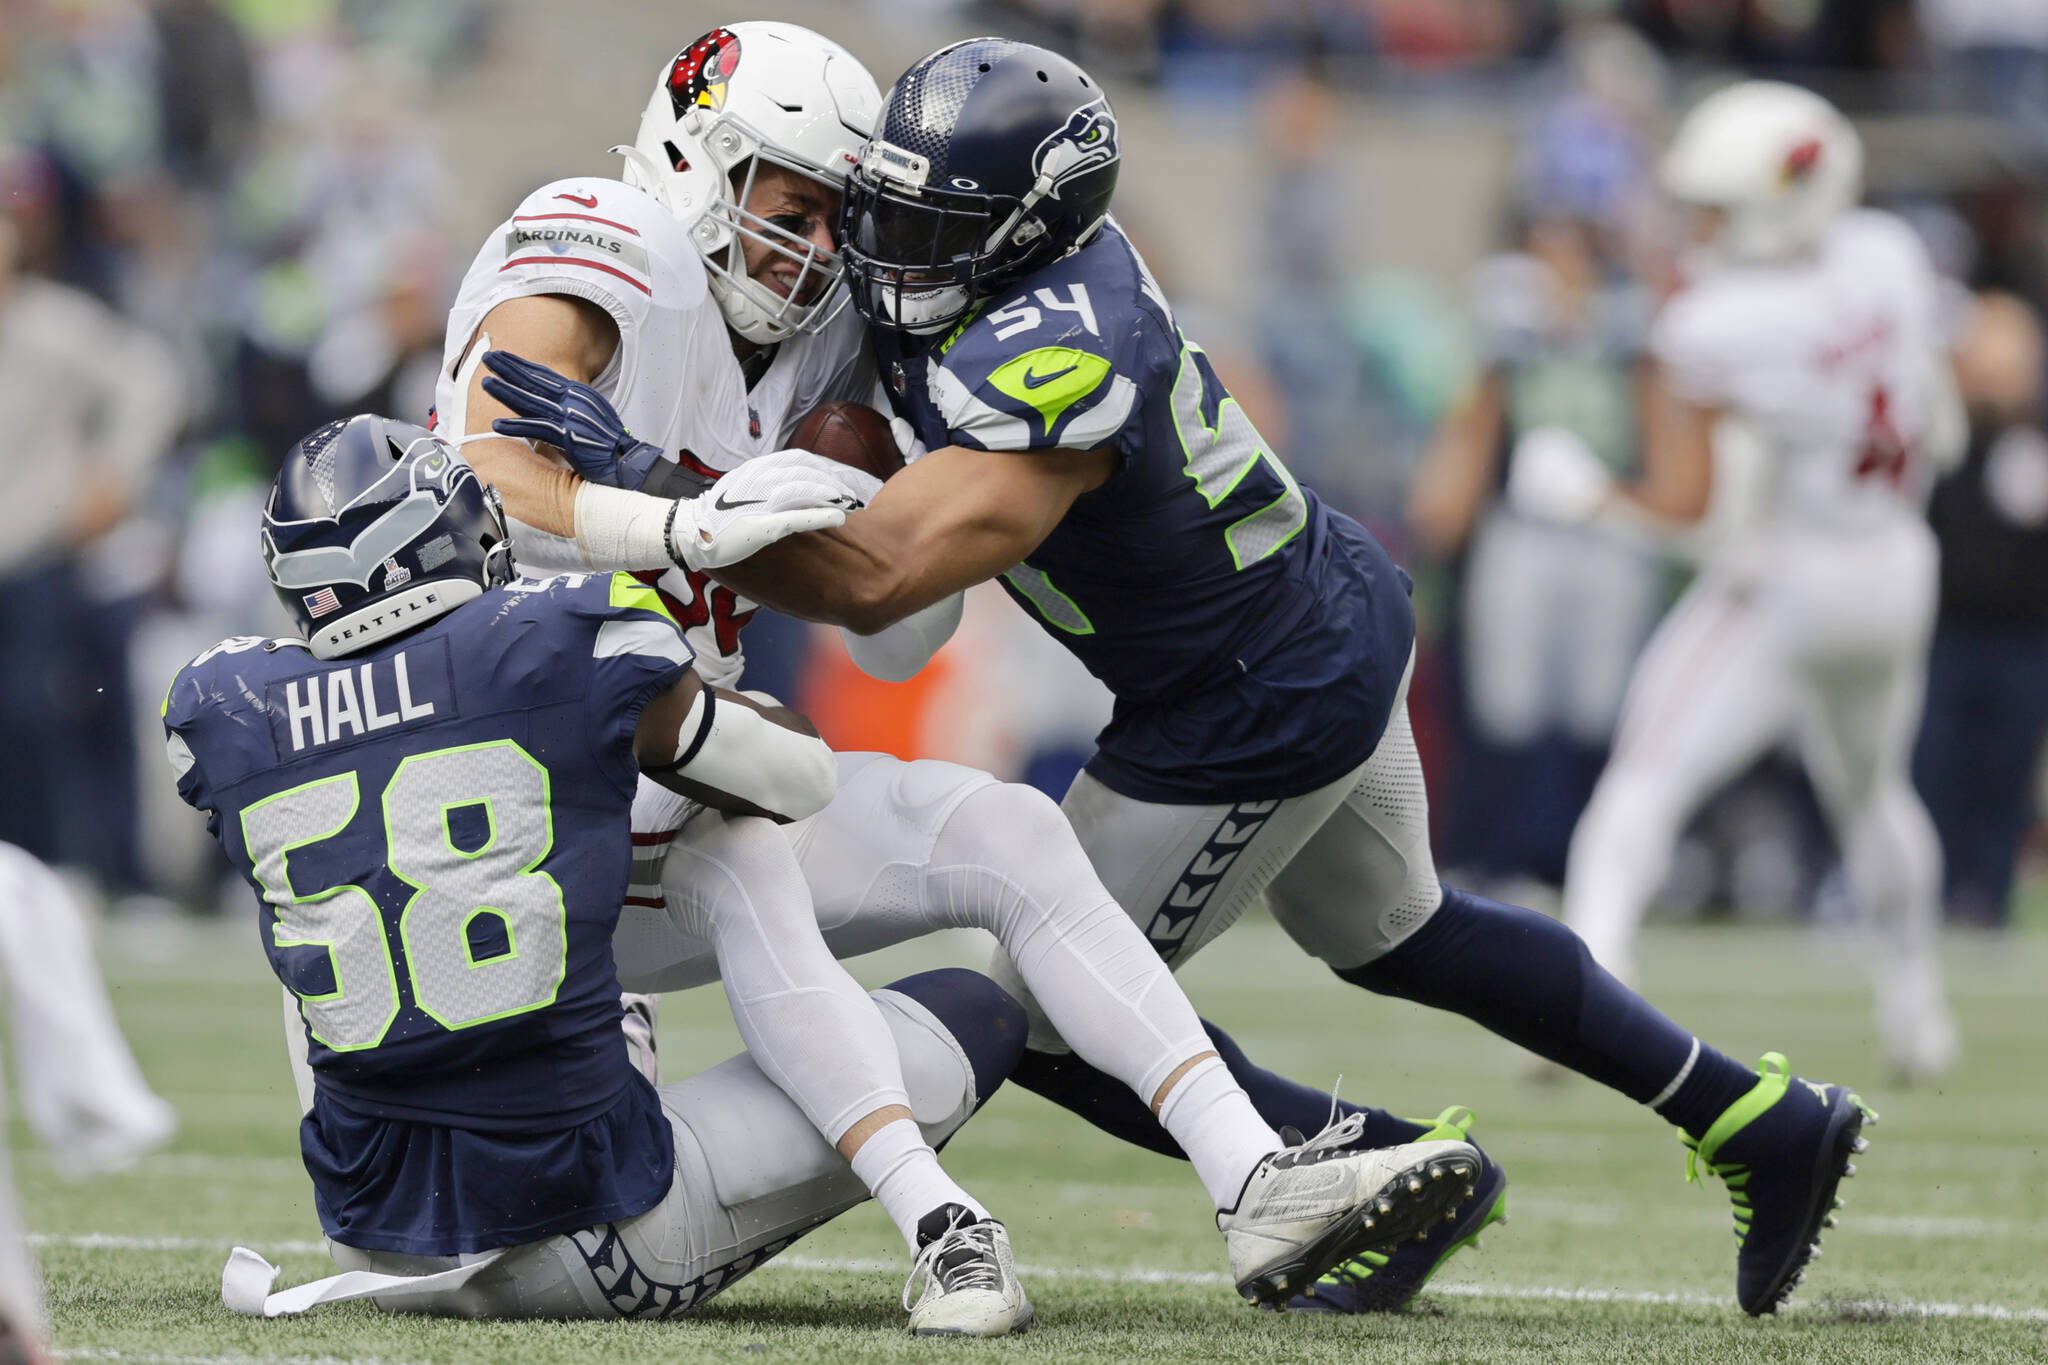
{"x": 1897, "y": 1308}
{"x": 112, "y": 1241}
{"x": 1903, "y": 1308}
{"x": 157, "y": 1358}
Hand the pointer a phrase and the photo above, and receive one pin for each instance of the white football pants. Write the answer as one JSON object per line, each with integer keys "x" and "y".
{"x": 908, "y": 848}
{"x": 752, "y": 1175}
{"x": 1828, "y": 648}
{"x": 79, "y": 1085}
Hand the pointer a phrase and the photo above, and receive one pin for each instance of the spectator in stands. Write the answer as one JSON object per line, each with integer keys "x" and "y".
{"x": 1987, "y": 682}
{"x": 1999, "y": 50}
{"x": 89, "y": 403}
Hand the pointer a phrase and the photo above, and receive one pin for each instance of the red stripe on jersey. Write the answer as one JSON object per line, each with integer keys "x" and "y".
{"x": 579, "y": 217}
{"x": 689, "y": 461}
{"x": 651, "y": 902}
{"x": 573, "y": 260}
{"x": 641, "y": 840}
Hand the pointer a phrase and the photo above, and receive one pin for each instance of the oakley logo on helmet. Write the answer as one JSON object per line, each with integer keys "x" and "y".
{"x": 1087, "y": 141}
{"x": 701, "y": 70}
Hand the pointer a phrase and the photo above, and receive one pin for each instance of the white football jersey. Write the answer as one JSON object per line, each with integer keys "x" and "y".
{"x": 674, "y": 378}
{"x": 1829, "y": 364}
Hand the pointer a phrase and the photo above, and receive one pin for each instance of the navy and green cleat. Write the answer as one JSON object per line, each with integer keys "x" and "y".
{"x": 1782, "y": 1149}
{"x": 1385, "y": 1281}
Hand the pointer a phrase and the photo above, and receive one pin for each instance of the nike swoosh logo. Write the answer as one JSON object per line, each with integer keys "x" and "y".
{"x": 1035, "y": 380}
{"x": 588, "y": 201}
{"x": 723, "y": 505}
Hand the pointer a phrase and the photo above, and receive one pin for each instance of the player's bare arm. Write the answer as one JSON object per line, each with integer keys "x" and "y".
{"x": 568, "y": 335}
{"x": 955, "y": 518}
{"x": 1678, "y": 456}
{"x": 1457, "y": 474}
{"x": 734, "y": 753}
{"x": 1554, "y": 475}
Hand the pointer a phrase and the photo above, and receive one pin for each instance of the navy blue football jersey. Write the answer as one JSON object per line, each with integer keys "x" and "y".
{"x": 1254, "y": 639}
{"x": 438, "y": 835}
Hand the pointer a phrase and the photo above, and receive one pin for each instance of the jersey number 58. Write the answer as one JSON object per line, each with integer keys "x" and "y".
{"x": 452, "y": 889}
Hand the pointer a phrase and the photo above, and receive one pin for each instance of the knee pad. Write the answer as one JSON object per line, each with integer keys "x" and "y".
{"x": 998, "y": 823}
{"x": 727, "y": 867}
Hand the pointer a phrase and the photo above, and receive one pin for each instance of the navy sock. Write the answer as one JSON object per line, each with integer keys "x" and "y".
{"x": 989, "y": 1025}
{"x": 1107, "y": 1103}
{"x": 1531, "y": 980}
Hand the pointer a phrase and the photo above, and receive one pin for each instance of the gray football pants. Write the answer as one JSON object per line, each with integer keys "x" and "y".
{"x": 1346, "y": 869}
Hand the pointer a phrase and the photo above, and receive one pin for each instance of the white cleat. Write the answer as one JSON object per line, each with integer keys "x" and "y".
{"x": 1309, "y": 1207}
{"x": 970, "y": 1285}
{"x": 1915, "y": 1027}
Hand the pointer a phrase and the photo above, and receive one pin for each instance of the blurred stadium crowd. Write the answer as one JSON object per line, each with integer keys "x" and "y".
{"x": 223, "y": 222}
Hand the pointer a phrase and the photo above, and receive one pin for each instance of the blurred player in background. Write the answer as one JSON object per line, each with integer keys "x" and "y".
{"x": 701, "y": 299}
{"x": 1549, "y": 618}
{"x": 440, "y": 774}
{"x": 1259, "y": 644}
{"x": 1809, "y": 333}
{"x": 80, "y": 1089}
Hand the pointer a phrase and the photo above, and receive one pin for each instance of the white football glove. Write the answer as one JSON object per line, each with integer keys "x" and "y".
{"x": 857, "y": 486}
{"x": 1553, "y": 475}
{"x": 749, "y": 509}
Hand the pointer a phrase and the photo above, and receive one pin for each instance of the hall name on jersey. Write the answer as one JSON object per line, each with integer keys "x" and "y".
{"x": 344, "y": 703}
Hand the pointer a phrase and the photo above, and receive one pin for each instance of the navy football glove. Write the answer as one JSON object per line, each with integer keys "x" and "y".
{"x": 573, "y": 418}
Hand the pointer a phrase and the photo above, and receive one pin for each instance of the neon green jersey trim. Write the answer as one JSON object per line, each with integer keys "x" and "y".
{"x": 628, "y": 591}
{"x": 960, "y": 327}
{"x": 1051, "y": 379}
{"x": 1054, "y": 605}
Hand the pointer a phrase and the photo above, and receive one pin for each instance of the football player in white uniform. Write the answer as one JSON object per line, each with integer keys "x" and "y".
{"x": 1807, "y": 344}
{"x": 700, "y": 297}
{"x": 80, "y": 1090}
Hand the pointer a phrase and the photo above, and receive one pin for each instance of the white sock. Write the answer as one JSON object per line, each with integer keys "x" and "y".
{"x": 903, "y": 1173}
{"x": 1212, "y": 1119}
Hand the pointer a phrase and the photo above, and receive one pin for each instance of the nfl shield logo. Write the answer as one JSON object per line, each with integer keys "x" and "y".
{"x": 896, "y": 380}
{"x": 395, "y": 574}
{"x": 318, "y": 604}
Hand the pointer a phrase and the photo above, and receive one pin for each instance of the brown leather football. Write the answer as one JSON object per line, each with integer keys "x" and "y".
{"x": 851, "y": 433}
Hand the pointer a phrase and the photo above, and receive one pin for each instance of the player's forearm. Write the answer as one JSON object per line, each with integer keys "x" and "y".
{"x": 535, "y": 490}
{"x": 1458, "y": 473}
{"x": 817, "y": 577}
{"x": 955, "y": 518}
{"x": 865, "y": 575}
{"x": 739, "y": 755}
{"x": 1676, "y": 487}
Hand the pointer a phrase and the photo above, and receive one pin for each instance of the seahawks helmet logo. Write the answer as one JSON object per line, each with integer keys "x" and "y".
{"x": 1087, "y": 142}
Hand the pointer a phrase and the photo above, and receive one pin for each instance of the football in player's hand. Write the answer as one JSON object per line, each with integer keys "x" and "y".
{"x": 852, "y": 434}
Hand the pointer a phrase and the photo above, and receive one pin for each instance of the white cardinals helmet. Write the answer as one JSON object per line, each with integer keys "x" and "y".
{"x": 739, "y": 96}
{"x": 1779, "y": 161}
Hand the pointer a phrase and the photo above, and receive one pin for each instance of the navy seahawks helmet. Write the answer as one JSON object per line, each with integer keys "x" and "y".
{"x": 991, "y": 158}
{"x": 376, "y": 526}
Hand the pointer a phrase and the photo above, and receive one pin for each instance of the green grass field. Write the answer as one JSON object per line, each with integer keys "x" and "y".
{"x": 1942, "y": 1254}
